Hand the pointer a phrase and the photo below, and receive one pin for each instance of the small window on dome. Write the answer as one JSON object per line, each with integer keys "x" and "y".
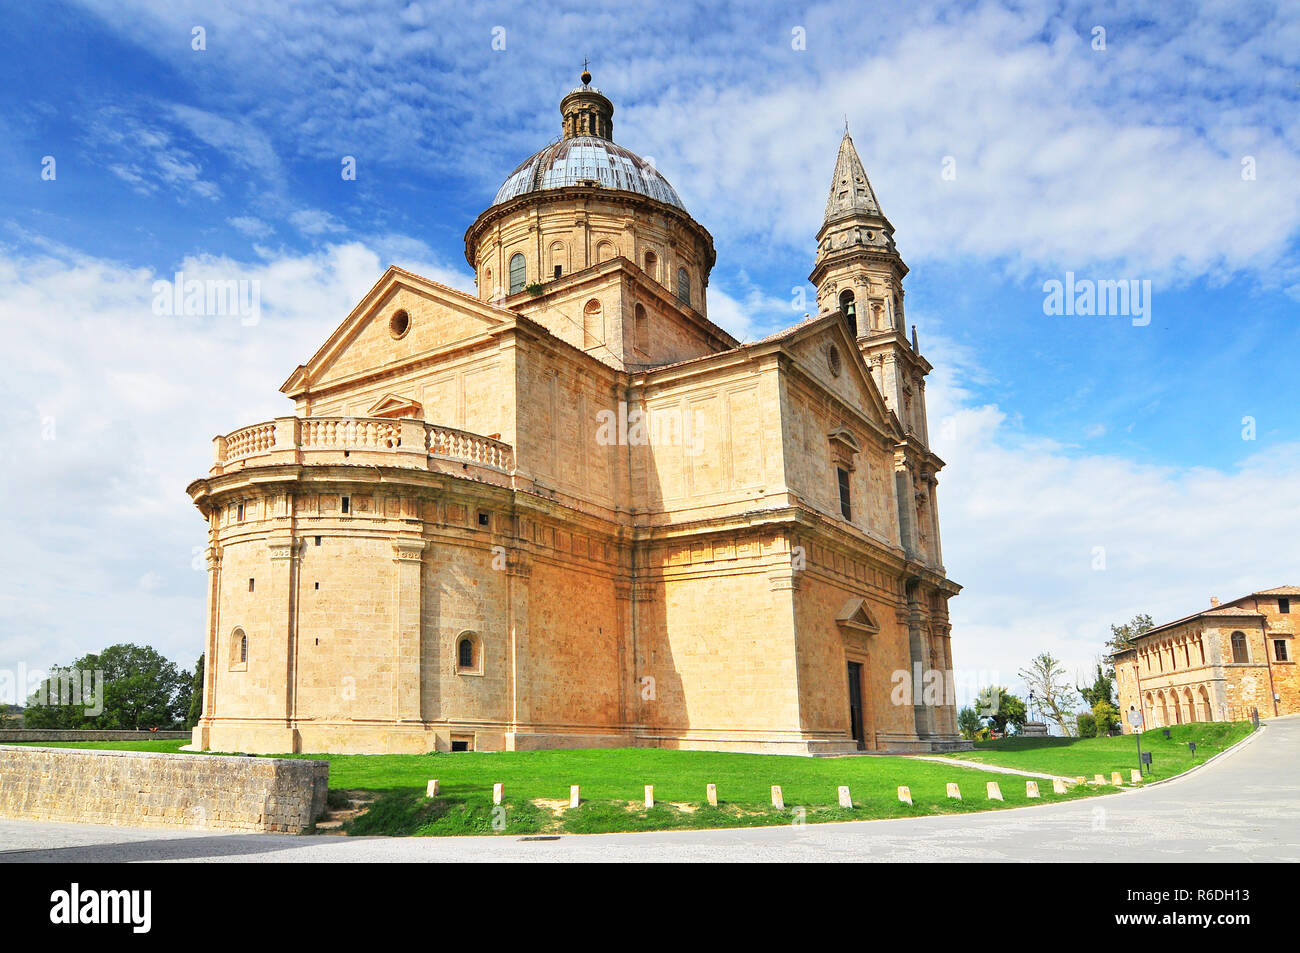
{"x": 683, "y": 286}
{"x": 518, "y": 273}
{"x": 652, "y": 264}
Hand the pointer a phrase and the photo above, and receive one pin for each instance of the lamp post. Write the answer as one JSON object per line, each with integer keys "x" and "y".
{"x": 1135, "y": 719}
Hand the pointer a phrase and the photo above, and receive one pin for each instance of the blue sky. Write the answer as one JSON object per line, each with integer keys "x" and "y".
{"x": 1062, "y": 433}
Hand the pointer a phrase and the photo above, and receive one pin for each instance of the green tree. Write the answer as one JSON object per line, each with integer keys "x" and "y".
{"x": 1122, "y": 636}
{"x": 1101, "y": 689}
{"x": 969, "y": 723}
{"x": 1056, "y": 697}
{"x": 1001, "y": 708}
{"x": 140, "y": 689}
{"x": 196, "y": 695}
{"x": 1106, "y": 715}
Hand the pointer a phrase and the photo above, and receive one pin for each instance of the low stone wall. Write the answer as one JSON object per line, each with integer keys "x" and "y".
{"x": 208, "y": 792}
{"x": 10, "y": 735}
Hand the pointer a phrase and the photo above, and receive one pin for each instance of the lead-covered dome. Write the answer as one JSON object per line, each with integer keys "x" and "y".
{"x": 587, "y": 160}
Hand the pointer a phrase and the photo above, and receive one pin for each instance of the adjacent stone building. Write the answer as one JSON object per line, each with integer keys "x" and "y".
{"x": 1220, "y": 664}
{"x": 572, "y": 511}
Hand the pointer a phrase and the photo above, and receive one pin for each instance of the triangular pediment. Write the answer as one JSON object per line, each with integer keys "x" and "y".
{"x": 404, "y": 317}
{"x": 855, "y": 615}
{"x": 828, "y": 355}
{"x": 393, "y": 405}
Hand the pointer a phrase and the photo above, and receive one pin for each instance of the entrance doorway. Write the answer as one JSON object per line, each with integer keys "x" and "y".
{"x": 855, "y": 704}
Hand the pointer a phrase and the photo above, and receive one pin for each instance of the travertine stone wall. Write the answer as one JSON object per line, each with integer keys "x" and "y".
{"x": 86, "y": 734}
{"x": 161, "y": 790}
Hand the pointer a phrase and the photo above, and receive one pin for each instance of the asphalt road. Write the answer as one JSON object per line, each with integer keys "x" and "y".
{"x": 1245, "y": 806}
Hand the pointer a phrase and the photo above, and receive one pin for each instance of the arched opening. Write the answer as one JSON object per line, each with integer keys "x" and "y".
{"x": 605, "y": 251}
{"x": 1149, "y": 715}
{"x": 518, "y": 273}
{"x": 1164, "y": 710}
{"x": 683, "y": 286}
{"x": 848, "y": 308}
{"x": 238, "y": 650}
{"x": 593, "y": 326}
{"x": 1240, "y": 652}
{"x": 469, "y": 654}
{"x": 1207, "y": 713}
{"x": 641, "y": 330}
{"x": 465, "y": 653}
{"x": 1189, "y": 706}
{"x": 559, "y": 260}
{"x": 652, "y": 265}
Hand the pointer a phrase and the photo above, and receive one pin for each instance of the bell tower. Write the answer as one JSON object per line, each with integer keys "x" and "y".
{"x": 859, "y": 273}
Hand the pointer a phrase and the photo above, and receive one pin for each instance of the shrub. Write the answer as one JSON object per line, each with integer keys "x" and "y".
{"x": 1087, "y": 724}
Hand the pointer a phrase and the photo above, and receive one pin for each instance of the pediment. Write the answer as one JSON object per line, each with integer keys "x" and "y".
{"x": 401, "y": 318}
{"x": 393, "y": 405}
{"x": 829, "y": 356}
{"x": 856, "y": 616}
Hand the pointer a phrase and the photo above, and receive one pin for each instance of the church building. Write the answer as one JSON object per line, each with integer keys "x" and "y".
{"x": 571, "y": 511}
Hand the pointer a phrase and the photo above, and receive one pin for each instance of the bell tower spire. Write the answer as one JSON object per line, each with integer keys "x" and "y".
{"x": 859, "y": 273}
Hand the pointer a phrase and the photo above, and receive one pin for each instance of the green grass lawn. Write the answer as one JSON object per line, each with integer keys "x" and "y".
{"x": 613, "y": 781}
{"x": 1072, "y": 757}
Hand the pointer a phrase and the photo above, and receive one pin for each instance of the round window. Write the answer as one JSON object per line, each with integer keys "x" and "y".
{"x": 399, "y": 324}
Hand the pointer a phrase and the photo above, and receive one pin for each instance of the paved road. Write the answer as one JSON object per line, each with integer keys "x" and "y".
{"x": 1243, "y": 807}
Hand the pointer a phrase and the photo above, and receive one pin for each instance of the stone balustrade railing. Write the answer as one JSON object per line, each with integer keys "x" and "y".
{"x": 365, "y": 440}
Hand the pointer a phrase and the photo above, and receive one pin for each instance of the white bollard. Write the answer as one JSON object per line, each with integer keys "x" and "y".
{"x": 954, "y": 791}
{"x": 846, "y": 800}
{"x": 994, "y": 792}
{"x": 574, "y": 799}
{"x": 431, "y": 790}
{"x": 498, "y": 792}
{"x": 905, "y": 794}
{"x": 711, "y": 794}
{"x": 649, "y": 796}
{"x": 1058, "y": 786}
{"x": 778, "y": 799}
{"x": 1031, "y": 789}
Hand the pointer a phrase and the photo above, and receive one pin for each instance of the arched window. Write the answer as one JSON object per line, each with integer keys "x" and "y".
{"x": 487, "y": 283}
{"x": 518, "y": 273}
{"x": 469, "y": 654}
{"x": 1239, "y": 651}
{"x": 605, "y": 251}
{"x": 683, "y": 286}
{"x": 641, "y": 330}
{"x": 238, "y": 651}
{"x": 652, "y": 265}
{"x": 593, "y": 329}
{"x": 557, "y": 259}
{"x": 849, "y": 309}
{"x": 465, "y": 653}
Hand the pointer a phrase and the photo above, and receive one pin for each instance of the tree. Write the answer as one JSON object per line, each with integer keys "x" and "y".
{"x": 140, "y": 689}
{"x": 969, "y": 723}
{"x": 1001, "y": 708}
{"x": 196, "y": 695}
{"x": 1122, "y": 636}
{"x": 1101, "y": 689}
{"x": 1056, "y": 697}
{"x": 1106, "y": 716}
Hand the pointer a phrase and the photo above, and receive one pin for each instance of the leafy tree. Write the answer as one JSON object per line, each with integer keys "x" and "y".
{"x": 1101, "y": 689}
{"x": 969, "y": 723}
{"x": 141, "y": 689}
{"x": 1106, "y": 716}
{"x": 1087, "y": 725}
{"x": 1001, "y": 708}
{"x": 196, "y": 696}
{"x": 1046, "y": 679}
{"x": 1122, "y": 636}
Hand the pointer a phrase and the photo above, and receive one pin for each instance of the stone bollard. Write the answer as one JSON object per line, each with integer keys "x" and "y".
{"x": 431, "y": 790}
{"x": 905, "y": 794}
{"x": 1031, "y": 789}
{"x": 1115, "y": 778}
{"x": 574, "y": 795}
{"x": 994, "y": 792}
{"x": 1080, "y": 779}
{"x": 498, "y": 793}
{"x": 846, "y": 799}
{"x": 778, "y": 800}
{"x": 1058, "y": 786}
{"x": 649, "y": 796}
{"x": 954, "y": 791}
{"x": 711, "y": 794}
{"x": 1135, "y": 776}
{"x": 1098, "y": 779}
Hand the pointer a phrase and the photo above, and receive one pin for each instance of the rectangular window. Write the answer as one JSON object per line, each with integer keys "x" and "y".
{"x": 1279, "y": 650}
{"x": 558, "y": 270}
{"x": 317, "y": 540}
{"x": 347, "y": 505}
{"x": 239, "y": 513}
{"x": 250, "y": 585}
{"x": 484, "y": 519}
{"x": 1284, "y": 606}
{"x": 846, "y": 503}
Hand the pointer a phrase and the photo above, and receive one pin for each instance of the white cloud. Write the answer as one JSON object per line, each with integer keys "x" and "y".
{"x": 251, "y": 226}
{"x": 313, "y": 222}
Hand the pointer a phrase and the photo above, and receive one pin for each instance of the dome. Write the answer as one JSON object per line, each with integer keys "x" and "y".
{"x": 585, "y": 160}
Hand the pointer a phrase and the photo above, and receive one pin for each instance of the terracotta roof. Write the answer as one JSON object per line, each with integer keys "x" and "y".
{"x": 1227, "y": 610}
{"x": 1279, "y": 591}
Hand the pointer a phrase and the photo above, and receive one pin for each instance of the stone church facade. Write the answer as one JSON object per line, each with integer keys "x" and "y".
{"x": 572, "y": 511}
